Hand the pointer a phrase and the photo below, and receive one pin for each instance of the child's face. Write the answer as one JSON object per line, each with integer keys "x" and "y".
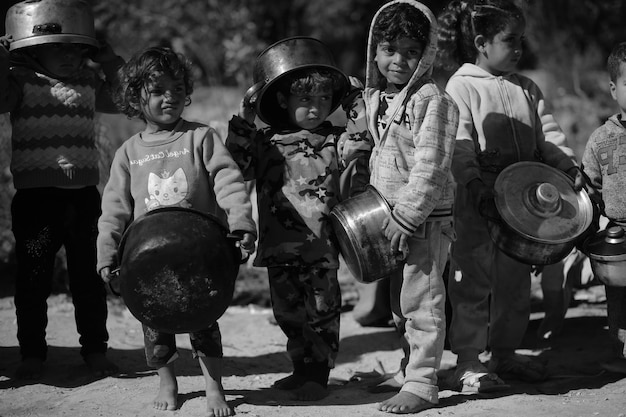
{"x": 502, "y": 53}
{"x": 398, "y": 59}
{"x": 618, "y": 89}
{"x": 61, "y": 59}
{"x": 163, "y": 101}
{"x": 309, "y": 110}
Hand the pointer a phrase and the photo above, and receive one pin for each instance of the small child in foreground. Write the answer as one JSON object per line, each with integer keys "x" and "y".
{"x": 297, "y": 171}
{"x": 172, "y": 162}
{"x": 413, "y": 123}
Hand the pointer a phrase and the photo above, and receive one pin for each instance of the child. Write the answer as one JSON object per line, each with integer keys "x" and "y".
{"x": 413, "y": 123}
{"x": 155, "y": 86}
{"x": 52, "y": 96}
{"x": 295, "y": 164}
{"x": 601, "y": 162}
{"x": 503, "y": 120}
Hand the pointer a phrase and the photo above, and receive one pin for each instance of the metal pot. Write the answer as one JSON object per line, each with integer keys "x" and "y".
{"x": 36, "y": 22}
{"x": 283, "y": 58}
{"x": 607, "y": 254}
{"x": 541, "y": 216}
{"x": 357, "y": 223}
{"x": 177, "y": 269}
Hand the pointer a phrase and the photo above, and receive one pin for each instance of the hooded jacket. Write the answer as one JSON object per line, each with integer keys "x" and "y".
{"x": 503, "y": 120}
{"x": 410, "y": 162}
{"x": 603, "y": 162}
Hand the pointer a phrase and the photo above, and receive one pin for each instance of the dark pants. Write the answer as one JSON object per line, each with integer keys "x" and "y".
{"x": 161, "y": 347}
{"x": 616, "y": 312}
{"x": 44, "y": 219}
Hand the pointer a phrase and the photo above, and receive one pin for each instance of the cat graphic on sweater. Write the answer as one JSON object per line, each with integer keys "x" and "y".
{"x": 167, "y": 190}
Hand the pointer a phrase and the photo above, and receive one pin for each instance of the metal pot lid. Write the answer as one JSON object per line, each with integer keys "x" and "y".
{"x": 539, "y": 202}
{"x": 607, "y": 245}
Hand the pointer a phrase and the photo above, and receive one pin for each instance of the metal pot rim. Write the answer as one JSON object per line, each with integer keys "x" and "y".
{"x": 58, "y": 38}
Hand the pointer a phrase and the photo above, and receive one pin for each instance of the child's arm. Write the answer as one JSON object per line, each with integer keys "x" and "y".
{"x": 551, "y": 141}
{"x": 241, "y": 140}
{"x": 228, "y": 183}
{"x": 9, "y": 93}
{"x": 109, "y": 63}
{"x": 117, "y": 213}
{"x": 593, "y": 171}
{"x": 354, "y": 146}
{"x": 465, "y": 166}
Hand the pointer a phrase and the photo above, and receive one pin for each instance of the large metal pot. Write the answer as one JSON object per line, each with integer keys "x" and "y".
{"x": 177, "y": 269}
{"x": 357, "y": 223}
{"x": 36, "y": 22}
{"x": 283, "y": 58}
{"x": 541, "y": 216}
{"x": 607, "y": 254}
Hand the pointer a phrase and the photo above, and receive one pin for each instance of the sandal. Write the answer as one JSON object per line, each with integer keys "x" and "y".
{"x": 474, "y": 377}
{"x": 518, "y": 367}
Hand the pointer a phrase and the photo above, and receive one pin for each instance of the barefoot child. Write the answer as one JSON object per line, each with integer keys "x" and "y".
{"x": 413, "y": 123}
{"x": 155, "y": 86}
{"x": 52, "y": 95}
{"x": 296, "y": 168}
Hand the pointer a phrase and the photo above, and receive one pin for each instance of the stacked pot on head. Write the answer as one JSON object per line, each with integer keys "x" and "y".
{"x": 280, "y": 60}
{"x": 541, "y": 216}
{"x": 32, "y": 23}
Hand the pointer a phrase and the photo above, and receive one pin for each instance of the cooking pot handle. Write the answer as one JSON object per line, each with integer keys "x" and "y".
{"x": 116, "y": 272}
{"x": 249, "y": 99}
{"x": 236, "y": 238}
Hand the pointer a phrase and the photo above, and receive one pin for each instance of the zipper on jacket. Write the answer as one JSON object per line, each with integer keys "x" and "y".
{"x": 506, "y": 100}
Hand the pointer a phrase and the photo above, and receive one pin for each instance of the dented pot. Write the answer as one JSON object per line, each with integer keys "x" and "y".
{"x": 357, "y": 223}
{"x": 282, "y": 59}
{"x": 177, "y": 269}
{"x": 541, "y": 217}
{"x": 37, "y": 22}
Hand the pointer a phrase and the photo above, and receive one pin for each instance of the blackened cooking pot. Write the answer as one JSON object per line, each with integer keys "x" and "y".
{"x": 357, "y": 223}
{"x": 177, "y": 269}
{"x": 541, "y": 216}
{"x": 283, "y": 58}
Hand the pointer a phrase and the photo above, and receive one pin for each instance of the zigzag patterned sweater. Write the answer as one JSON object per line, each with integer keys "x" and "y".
{"x": 53, "y": 130}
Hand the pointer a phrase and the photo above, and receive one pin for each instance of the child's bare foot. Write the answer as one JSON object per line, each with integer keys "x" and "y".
{"x": 309, "y": 391}
{"x": 30, "y": 368}
{"x": 167, "y": 398}
{"x": 100, "y": 365}
{"x": 404, "y": 403}
{"x": 216, "y": 404}
{"x": 290, "y": 382}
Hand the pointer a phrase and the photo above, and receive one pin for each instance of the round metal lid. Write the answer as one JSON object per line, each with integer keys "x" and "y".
{"x": 607, "y": 245}
{"x": 539, "y": 202}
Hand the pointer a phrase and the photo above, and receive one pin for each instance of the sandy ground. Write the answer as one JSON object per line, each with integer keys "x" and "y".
{"x": 255, "y": 356}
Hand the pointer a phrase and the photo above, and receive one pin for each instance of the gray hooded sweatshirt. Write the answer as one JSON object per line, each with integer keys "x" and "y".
{"x": 412, "y": 155}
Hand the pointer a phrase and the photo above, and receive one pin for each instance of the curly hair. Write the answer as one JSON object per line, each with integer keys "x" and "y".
{"x": 141, "y": 70}
{"x": 400, "y": 20}
{"x": 311, "y": 80}
{"x": 462, "y": 20}
{"x": 617, "y": 57}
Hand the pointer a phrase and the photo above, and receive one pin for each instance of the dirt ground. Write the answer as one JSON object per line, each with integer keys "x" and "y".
{"x": 255, "y": 356}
